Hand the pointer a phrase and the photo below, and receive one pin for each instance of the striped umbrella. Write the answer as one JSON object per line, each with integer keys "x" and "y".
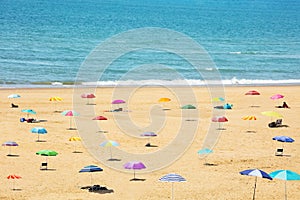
{"x": 286, "y": 175}
{"x": 172, "y": 178}
{"x": 70, "y": 113}
{"x": 14, "y": 177}
{"x": 109, "y": 143}
{"x": 10, "y": 144}
{"x": 91, "y": 169}
{"x": 75, "y": 139}
{"x": 249, "y": 118}
{"x": 256, "y": 173}
{"x": 38, "y": 131}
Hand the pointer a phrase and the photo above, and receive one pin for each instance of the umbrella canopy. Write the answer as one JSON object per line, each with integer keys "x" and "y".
{"x": 286, "y": 175}
{"x": 55, "y": 99}
{"x": 252, "y": 92}
{"x": 283, "y": 139}
{"x": 109, "y": 143}
{"x": 219, "y": 119}
{"x": 118, "y": 101}
{"x": 29, "y": 111}
{"x": 164, "y": 99}
{"x": 88, "y": 95}
{"x": 205, "y": 151}
{"x": 271, "y": 114}
{"x": 38, "y": 131}
{"x": 10, "y": 144}
{"x": 218, "y": 99}
{"x": 276, "y": 96}
{"x": 46, "y": 153}
{"x": 135, "y": 165}
{"x": 91, "y": 168}
{"x": 100, "y": 118}
{"x": 72, "y": 139}
{"x": 70, "y": 113}
{"x": 13, "y": 96}
{"x": 189, "y": 106}
{"x": 249, "y": 118}
{"x": 256, "y": 173}
{"x": 172, "y": 178}
{"x": 148, "y": 134}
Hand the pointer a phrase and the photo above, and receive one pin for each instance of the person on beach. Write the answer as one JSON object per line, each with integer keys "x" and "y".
{"x": 284, "y": 105}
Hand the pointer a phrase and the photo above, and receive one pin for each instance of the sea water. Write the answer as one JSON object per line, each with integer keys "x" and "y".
{"x": 44, "y": 42}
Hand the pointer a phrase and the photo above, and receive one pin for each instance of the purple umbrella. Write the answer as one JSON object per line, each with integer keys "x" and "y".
{"x": 148, "y": 134}
{"x": 118, "y": 101}
{"x": 10, "y": 144}
{"x": 135, "y": 165}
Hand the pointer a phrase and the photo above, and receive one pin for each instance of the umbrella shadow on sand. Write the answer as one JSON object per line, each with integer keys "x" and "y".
{"x": 13, "y": 155}
{"x": 114, "y": 159}
{"x": 137, "y": 179}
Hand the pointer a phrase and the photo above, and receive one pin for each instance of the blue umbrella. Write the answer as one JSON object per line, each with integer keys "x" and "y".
{"x": 283, "y": 139}
{"x": 205, "y": 151}
{"x": 28, "y": 111}
{"x": 172, "y": 178}
{"x": 256, "y": 173}
{"x": 286, "y": 175}
{"x": 91, "y": 168}
{"x": 38, "y": 131}
{"x": 13, "y": 96}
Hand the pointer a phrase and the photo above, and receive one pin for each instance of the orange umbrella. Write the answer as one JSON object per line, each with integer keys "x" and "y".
{"x": 164, "y": 99}
{"x": 249, "y": 118}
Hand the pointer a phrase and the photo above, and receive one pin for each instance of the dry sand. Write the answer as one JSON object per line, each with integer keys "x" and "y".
{"x": 236, "y": 150}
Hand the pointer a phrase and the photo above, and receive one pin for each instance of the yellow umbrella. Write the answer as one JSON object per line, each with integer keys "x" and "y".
{"x": 74, "y": 139}
{"x": 272, "y": 114}
{"x": 164, "y": 99}
{"x": 249, "y": 118}
{"x": 55, "y": 99}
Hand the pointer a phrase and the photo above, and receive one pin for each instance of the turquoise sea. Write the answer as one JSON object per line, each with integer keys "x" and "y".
{"x": 45, "y": 42}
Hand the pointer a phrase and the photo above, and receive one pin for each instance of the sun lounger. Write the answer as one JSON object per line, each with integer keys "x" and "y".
{"x": 277, "y": 123}
{"x": 44, "y": 166}
{"x": 279, "y": 152}
{"x": 14, "y": 106}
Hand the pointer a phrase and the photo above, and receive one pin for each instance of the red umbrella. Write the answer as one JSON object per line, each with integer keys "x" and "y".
{"x": 88, "y": 96}
{"x": 13, "y": 177}
{"x": 100, "y": 118}
{"x": 219, "y": 119}
{"x": 252, "y": 92}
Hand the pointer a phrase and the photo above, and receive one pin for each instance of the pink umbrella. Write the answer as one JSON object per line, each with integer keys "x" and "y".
{"x": 88, "y": 96}
{"x": 70, "y": 113}
{"x": 219, "y": 119}
{"x": 118, "y": 101}
{"x": 276, "y": 96}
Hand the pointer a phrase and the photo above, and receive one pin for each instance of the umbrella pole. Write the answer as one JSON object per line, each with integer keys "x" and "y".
{"x": 133, "y": 173}
{"x": 254, "y": 188}
{"x": 38, "y": 137}
{"x": 285, "y": 195}
{"x": 110, "y": 153}
{"x": 172, "y": 195}
{"x": 91, "y": 180}
{"x": 9, "y": 151}
{"x": 70, "y": 123}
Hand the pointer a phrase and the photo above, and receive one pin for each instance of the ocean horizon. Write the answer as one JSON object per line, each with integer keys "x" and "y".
{"x": 45, "y": 43}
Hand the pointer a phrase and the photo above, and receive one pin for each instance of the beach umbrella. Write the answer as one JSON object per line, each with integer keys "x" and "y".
{"x": 249, "y": 118}
{"x": 46, "y": 153}
{"x": 256, "y": 173}
{"x": 70, "y": 113}
{"x": 188, "y": 106}
{"x": 91, "y": 169}
{"x": 148, "y": 134}
{"x": 28, "y": 111}
{"x": 164, "y": 99}
{"x": 219, "y": 119}
{"x": 88, "y": 96}
{"x": 217, "y": 99}
{"x": 283, "y": 139}
{"x": 118, "y": 101}
{"x": 13, "y": 177}
{"x": 109, "y": 143}
{"x": 55, "y": 99}
{"x": 286, "y": 175}
{"x": 13, "y": 96}
{"x": 10, "y": 144}
{"x": 134, "y": 165}
{"x": 74, "y": 139}
{"x": 38, "y": 131}
{"x": 172, "y": 178}
{"x": 203, "y": 152}
{"x": 252, "y": 92}
{"x": 272, "y": 114}
{"x": 100, "y": 118}
{"x": 276, "y": 96}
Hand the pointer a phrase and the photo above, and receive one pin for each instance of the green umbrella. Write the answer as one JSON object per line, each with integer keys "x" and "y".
{"x": 46, "y": 153}
{"x": 188, "y": 106}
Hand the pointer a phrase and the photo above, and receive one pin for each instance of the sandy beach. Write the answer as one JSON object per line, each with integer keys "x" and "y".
{"x": 236, "y": 149}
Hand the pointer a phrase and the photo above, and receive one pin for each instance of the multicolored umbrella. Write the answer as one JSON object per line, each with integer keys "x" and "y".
{"x": 75, "y": 139}
{"x": 38, "y": 131}
{"x": 219, "y": 119}
{"x": 283, "y": 139}
{"x": 88, "y": 96}
{"x": 249, "y": 118}
{"x": 172, "y": 178}
{"x": 110, "y": 143}
{"x": 10, "y": 144}
{"x": 90, "y": 169}
{"x": 256, "y": 173}
{"x": 13, "y": 177}
{"x": 217, "y": 99}
{"x": 70, "y": 113}
{"x": 286, "y": 175}
{"x": 135, "y": 165}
